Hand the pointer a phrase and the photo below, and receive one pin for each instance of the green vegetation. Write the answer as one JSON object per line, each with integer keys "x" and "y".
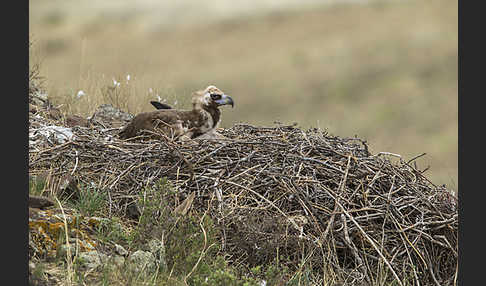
{"x": 91, "y": 201}
{"x": 111, "y": 230}
{"x": 191, "y": 247}
{"x": 36, "y": 187}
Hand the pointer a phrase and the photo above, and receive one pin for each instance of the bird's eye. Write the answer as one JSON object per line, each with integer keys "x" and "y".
{"x": 215, "y": 96}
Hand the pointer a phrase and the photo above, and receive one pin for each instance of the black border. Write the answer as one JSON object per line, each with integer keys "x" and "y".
{"x": 471, "y": 204}
{"x": 14, "y": 138}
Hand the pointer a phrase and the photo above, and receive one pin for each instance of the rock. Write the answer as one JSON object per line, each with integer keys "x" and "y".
{"x": 76, "y": 245}
{"x": 106, "y": 113}
{"x": 142, "y": 261}
{"x": 40, "y": 202}
{"x": 120, "y": 250}
{"x": 157, "y": 248}
{"x": 52, "y": 133}
{"x": 92, "y": 259}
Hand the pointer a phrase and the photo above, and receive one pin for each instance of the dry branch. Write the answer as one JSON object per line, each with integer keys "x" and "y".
{"x": 280, "y": 188}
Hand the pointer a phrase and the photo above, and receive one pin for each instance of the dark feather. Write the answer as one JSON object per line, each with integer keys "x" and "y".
{"x": 160, "y": 105}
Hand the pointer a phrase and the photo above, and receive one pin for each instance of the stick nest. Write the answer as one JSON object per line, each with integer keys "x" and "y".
{"x": 303, "y": 197}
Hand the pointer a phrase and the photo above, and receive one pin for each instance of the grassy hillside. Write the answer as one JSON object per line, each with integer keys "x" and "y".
{"x": 386, "y": 72}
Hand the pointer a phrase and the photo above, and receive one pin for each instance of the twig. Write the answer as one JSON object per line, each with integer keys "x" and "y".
{"x": 370, "y": 240}
{"x": 76, "y": 164}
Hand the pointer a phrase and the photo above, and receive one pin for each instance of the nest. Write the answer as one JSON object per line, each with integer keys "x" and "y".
{"x": 280, "y": 193}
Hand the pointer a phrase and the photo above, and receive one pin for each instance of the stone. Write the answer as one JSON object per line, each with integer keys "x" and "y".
{"x": 53, "y": 134}
{"x": 92, "y": 259}
{"x": 157, "y": 248}
{"x": 108, "y": 114}
{"x": 40, "y": 202}
{"x": 142, "y": 262}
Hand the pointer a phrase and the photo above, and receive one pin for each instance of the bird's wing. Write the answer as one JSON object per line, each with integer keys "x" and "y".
{"x": 159, "y": 105}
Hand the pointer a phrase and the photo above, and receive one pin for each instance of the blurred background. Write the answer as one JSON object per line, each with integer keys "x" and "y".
{"x": 385, "y": 71}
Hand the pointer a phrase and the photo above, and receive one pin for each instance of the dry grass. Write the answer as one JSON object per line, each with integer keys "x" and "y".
{"x": 386, "y": 72}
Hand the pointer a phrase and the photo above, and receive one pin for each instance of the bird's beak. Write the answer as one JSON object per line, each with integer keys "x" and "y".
{"x": 225, "y": 100}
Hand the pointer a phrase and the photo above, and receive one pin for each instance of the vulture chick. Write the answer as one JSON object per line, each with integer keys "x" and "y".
{"x": 202, "y": 119}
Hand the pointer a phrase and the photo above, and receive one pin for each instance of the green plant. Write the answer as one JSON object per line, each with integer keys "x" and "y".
{"x": 38, "y": 271}
{"x": 111, "y": 230}
{"x": 155, "y": 215}
{"x": 92, "y": 201}
{"x": 36, "y": 187}
{"x": 191, "y": 241}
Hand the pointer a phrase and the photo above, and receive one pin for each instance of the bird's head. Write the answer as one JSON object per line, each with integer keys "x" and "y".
{"x": 211, "y": 97}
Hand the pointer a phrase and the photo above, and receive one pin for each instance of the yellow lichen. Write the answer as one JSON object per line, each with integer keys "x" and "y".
{"x": 48, "y": 227}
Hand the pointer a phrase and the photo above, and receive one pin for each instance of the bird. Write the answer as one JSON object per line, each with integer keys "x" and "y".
{"x": 203, "y": 119}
